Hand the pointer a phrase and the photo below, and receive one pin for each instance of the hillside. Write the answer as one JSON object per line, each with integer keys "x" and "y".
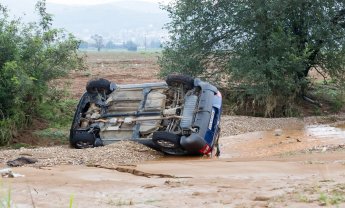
{"x": 118, "y": 20}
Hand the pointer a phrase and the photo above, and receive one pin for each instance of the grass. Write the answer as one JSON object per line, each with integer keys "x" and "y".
{"x": 59, "y": 115}
{"x": 6, "y": 198}
{"x": 304, "y": 198}
{"x": 71, "y": 200}
{"x": 9, "y": 126}
{"x": 326, "y": 199}
{"x": 57, "y": 109}
{"x": 329, "y": 94}
{"x": 121, "y": 202}
{"x": 53, "y": 133}
{"x": 327, "y": 194}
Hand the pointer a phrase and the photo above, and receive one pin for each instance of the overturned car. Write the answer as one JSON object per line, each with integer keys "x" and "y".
{"x": 180, "y": 116}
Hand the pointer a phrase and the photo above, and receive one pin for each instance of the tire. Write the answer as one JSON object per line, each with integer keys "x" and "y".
{"x": 175, "y": 151}
{"x": 187, "y": 81}
{"x": 82, "y": 139}
{"x": 98, "y": 86}
{"x": 165, "y": 139}
{"x": 83, "y": 145}
{"x": 168, "y": 151}
{"x": 73, "y": 133}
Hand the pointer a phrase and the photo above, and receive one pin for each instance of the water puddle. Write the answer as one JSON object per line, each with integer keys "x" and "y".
{"x": 274, "y": 142}
{"x": 281, "y": 141}
{"x": 326, "y": 131}
{"x": 342, "y": 126}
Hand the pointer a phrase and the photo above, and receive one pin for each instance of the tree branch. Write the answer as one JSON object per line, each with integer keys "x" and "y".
{"x": 324, "y": 76}
{"x": 339, "y": 19}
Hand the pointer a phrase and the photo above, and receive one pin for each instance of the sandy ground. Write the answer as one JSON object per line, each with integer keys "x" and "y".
{"x": 299, "y": 167}
{"x": 290, "y": 162}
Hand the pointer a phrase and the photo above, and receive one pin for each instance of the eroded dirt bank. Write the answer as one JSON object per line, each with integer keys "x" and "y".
{"x": 289, "y": 163}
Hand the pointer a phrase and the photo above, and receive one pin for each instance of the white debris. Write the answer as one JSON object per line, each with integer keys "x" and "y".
{"x": 8, "y": 173}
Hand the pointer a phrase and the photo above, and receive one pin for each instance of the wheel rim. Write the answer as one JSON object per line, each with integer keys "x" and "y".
{"x": 83, "y": 145}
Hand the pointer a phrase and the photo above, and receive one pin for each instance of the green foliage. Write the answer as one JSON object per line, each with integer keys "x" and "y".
{"x": 131, "y": 46}
{"x": 58, "y": 113}
{"x": 329, "y": 93}
{"x": 71, "y": 200}
{"x": 31, "y": 56}
{"x": 331, "y": 199}
{"x": 264, "y": 47}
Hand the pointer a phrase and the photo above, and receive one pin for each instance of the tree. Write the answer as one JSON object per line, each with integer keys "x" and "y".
{"x": 98, "y": 41}
{"x": 131, "y": 46}
{"x": 31, "y": 56}
{"x": 110, "y": 45}
{"x": 266, "y": 47}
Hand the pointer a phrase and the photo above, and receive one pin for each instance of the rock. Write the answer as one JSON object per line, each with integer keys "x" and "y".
{"x": 278, "y": 132}
{"x": 262, "y": 198}
{"x": 21, "y": 161}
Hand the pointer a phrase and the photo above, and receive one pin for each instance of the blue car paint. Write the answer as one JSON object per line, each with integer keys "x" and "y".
{"x": 210, "y": 100}
{"x": 212, "y": 133}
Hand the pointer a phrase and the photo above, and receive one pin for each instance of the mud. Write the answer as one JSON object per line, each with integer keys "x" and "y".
{"x": 280, "y": 142}
{"x": 259, "y": 169}
{"x": 290, "y": 162}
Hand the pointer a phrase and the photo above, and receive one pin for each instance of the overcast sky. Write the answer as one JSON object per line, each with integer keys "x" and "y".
{"x": 90, "y": 2}
{"x": 121, "y": 19}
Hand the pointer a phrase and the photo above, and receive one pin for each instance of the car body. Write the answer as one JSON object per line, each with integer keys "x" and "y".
{"x": 180, "y": 116}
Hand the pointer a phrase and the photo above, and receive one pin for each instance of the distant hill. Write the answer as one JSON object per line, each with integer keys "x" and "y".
{"x": 119, "y": 20}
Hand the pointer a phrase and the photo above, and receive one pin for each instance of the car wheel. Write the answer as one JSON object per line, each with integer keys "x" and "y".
{"x": 98, "y": 85}
{"x": 82, "y": 139}
{"x": 174, "y": 151}
{"x": 176, "y": 79}
{"x": 83, "y": 145}
{"x": 165, "y": 139}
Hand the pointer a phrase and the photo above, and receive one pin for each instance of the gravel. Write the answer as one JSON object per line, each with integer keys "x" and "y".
{"x": 120, "y": 153}
{"x": 131, "y": 153}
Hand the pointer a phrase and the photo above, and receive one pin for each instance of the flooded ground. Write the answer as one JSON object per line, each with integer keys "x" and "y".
{"x": 282, "y": 141}
{"x": 302, "y": 167}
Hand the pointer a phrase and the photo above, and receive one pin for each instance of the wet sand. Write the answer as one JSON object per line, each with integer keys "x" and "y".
{"x": 302, "y": 167}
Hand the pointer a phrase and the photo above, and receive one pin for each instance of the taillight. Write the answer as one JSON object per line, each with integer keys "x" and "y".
{"x": 206, "y": 149}
{"x": 219, "y": 94}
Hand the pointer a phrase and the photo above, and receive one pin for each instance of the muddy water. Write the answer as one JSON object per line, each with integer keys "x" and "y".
{"x": 276, "y": 142}
{"x": 238, "y": 179}
{"x": 326, "y": 131}
{"x": 281, "y": 141}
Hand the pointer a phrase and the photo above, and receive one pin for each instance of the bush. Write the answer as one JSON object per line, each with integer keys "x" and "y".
{"x": 31, "y": 56}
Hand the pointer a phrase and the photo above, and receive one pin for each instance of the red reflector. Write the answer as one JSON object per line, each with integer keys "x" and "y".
{"x": 219, "y": 94}
{"x": 206, "y": 149}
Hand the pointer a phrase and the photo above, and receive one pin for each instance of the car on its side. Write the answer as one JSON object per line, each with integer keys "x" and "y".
{"x": 180, "y": 116}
